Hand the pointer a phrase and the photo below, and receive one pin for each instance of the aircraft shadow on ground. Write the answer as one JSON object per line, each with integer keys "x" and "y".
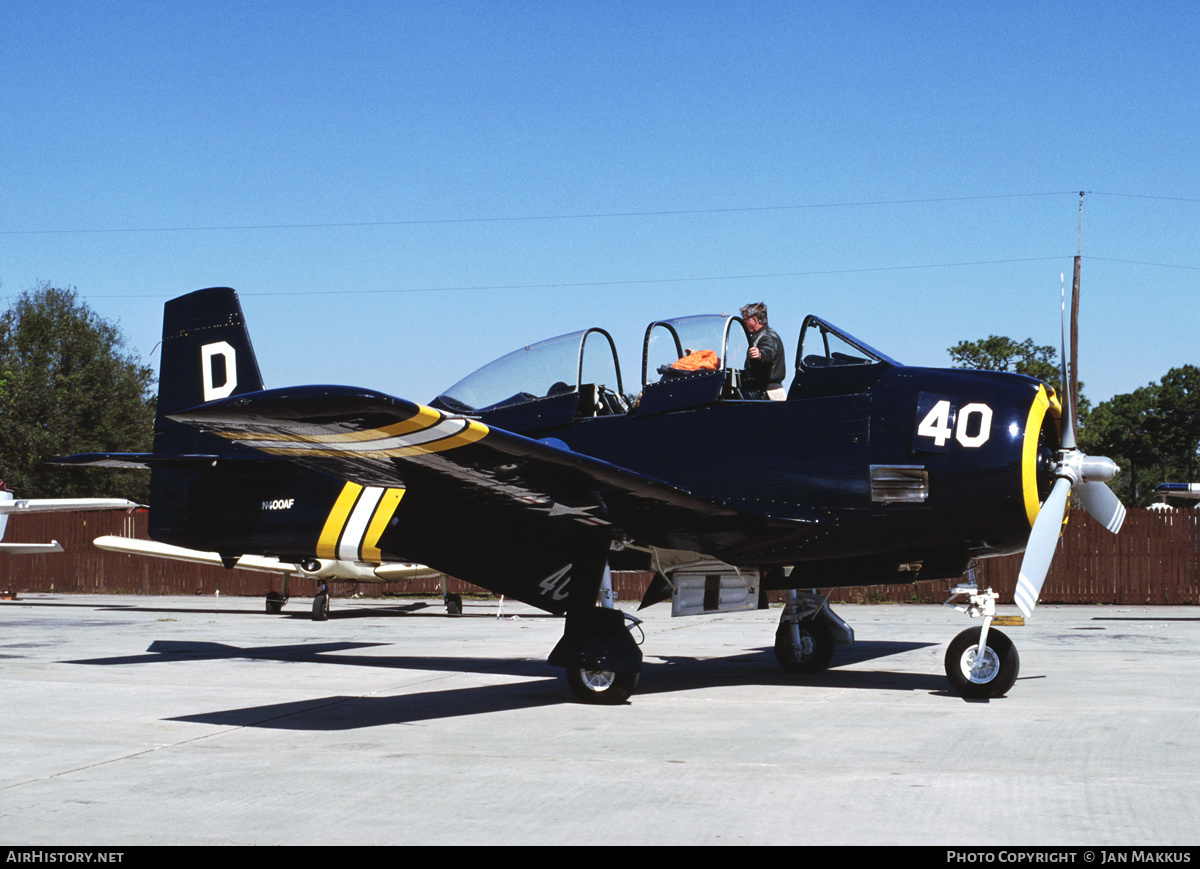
{"x": 542, "y": 685}
{"x": 254, "y": 607}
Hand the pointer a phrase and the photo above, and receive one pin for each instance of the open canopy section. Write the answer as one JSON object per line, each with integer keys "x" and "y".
{"x": 668, "y": 342}
{"x": 543, "y": 384}
{"x": 830, "y": 361}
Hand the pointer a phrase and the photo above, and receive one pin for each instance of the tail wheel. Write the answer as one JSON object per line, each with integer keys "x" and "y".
{"x": 806, "y": 647}
{"x": 991, "y": 675}
{"x": 603, "y": 687}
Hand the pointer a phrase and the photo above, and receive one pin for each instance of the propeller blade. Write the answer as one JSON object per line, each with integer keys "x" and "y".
{"x": 1068, "y": 421}
{"x": 1105, "y": 507}
{"x": 1039, "y": 551}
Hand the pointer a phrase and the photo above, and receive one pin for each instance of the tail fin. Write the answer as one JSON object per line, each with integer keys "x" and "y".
{"x": 206, "y": 356}
{"x": 206, "y": 351}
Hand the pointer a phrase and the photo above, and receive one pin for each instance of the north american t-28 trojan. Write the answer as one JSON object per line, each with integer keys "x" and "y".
{"x": 529, "y": 476}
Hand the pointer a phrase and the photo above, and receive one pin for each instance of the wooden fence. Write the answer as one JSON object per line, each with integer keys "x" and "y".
{"x": 1154, "y": 560}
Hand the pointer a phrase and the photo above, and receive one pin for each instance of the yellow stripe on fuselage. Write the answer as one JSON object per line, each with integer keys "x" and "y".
{"x": 327, "y": 542}
{"x": 379, "y": 522}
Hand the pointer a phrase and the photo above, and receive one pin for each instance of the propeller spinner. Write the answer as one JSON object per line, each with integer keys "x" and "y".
{"x": 1073, "y": 469}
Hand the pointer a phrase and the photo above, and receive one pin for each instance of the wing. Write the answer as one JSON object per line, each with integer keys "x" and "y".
{"x": 490, "y": 474}
{"x": 31, "y": 548}
{"x": 10, "y": 505}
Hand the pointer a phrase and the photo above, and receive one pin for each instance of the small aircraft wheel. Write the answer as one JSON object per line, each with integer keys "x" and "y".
{"x": 320, "y": 607}
{"x": 601, "y": 686}
{"x": 275, "y": 602}
{"x": 809, "y": 650}
{"x": 996, "y": 672}
{"x": 453, "y": 605}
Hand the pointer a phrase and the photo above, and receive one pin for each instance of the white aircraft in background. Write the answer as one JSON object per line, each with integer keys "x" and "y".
{"x": 322, "y": 571}
{"x": 10, "y": 504}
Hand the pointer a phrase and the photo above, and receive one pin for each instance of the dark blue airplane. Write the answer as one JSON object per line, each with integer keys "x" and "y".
{"x": 532, "y": 475}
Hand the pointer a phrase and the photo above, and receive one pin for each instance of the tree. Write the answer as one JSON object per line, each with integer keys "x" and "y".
{"x": 1153, "y": 433}
{"x": 69, "y": 387}
{"x": 997, "y": 353}
{"x": 1180, "y": 424}
{"x": 1121, "y": 428}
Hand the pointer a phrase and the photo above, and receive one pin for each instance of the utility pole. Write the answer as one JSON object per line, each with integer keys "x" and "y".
{"x": 1073, "y": 390}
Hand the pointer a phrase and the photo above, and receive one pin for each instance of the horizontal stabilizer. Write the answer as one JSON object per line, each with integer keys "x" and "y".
{"x": 133, "y": 546}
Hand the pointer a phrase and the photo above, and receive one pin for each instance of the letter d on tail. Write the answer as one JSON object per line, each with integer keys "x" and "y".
{"x": 206, "y": 351}
{"x": 209, "y": 356}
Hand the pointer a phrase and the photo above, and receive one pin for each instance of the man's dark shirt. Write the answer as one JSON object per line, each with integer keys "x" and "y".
{"x": 771, "y": 368}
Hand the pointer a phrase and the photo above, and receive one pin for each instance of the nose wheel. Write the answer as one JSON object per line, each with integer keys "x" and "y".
{"x": 981, "y": 662}
{"x": 982, "y": 675}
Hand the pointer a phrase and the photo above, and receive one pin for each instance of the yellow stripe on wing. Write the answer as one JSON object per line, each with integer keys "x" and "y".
{"x": 424, "y": 418}
{"x": 392, "y": 447}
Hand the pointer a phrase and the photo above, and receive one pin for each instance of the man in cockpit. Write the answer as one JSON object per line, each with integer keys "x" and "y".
{"x": 765, "y": 366}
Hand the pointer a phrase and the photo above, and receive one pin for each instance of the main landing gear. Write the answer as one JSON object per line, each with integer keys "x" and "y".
{"x": 992, "y": 672}
{"x": 602, "y": 687}
{"x": 601, "y": 657}
{"x": 808, "y": 632}
{"x": 321, "y": 603}
{"x": 277, "y": 599}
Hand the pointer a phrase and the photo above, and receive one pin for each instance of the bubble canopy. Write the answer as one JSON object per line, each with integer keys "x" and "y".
{"x": 552, "y": 367}
{"x": 584, "y": 364}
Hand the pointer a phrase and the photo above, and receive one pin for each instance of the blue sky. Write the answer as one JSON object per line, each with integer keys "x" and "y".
{"x": 402, "y": 191}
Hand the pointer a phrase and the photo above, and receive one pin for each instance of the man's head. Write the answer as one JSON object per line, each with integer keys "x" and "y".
{"x": 755, "y": 315}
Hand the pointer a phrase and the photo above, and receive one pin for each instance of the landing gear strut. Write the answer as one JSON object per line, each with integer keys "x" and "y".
{"x": 992, "y": 672}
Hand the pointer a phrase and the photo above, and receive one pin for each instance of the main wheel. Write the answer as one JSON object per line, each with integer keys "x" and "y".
{"x": 275, "y": 602}
{"x": 453, "y": 605}
{"x": 321, "y": 607}
{"x": 996, "y": 672}
{"x": 601, "y": 686}
{"x": 808, "y": 650}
